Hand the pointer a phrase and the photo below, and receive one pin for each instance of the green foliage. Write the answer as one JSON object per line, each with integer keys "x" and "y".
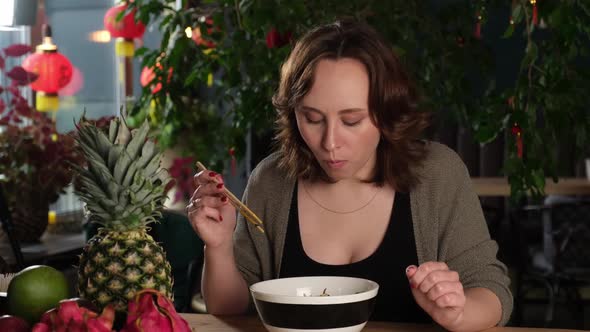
{"x": 454, "y": 70}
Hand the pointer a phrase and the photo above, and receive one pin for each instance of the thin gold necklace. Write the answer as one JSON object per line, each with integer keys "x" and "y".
{"x": 340, "y": 212}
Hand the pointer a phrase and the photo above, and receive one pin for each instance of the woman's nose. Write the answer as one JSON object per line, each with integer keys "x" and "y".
{"x": 330, "y": 141}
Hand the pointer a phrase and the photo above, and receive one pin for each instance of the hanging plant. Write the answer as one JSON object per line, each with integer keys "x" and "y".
{"x": 224, "y": 77}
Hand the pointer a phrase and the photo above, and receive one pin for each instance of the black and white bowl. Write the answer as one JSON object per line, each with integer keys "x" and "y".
{"x": 341, "y": 304}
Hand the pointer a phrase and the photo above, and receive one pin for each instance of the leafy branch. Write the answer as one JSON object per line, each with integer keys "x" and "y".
{"x": 225, "y": 74}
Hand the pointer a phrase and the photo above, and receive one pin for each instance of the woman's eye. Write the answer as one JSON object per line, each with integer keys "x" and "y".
{"x": 352, "y": 123}
{"x": 313, "y": 120}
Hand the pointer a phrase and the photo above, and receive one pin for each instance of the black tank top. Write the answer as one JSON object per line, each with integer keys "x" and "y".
{"x": 386, "y": 265}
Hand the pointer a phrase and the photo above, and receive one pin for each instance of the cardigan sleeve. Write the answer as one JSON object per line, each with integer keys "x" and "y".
{"x": 245, "y": 250}
{"x": 464, "y": 240}
{"x": 268, "y": 195}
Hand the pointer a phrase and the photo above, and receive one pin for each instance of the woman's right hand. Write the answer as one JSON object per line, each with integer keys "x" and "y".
{"x": 211, "y": 215}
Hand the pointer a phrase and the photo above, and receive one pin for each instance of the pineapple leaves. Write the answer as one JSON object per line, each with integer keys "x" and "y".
{"x": 152, "y": 166}
{"x": 162, "y": 176}
{"x": 102, "y": 144}
{"x": 99, "y": 171}
{"x": 121, "y": 166}
{"x": 113, "y": 130}
{"x": 124, "y": 170}
{"x": 123, "y": 135}
{"x": 138, "y": 140}
{"x": 148, "y": 152}
{"x": 123, "y": 183}
{"x": 130, "y": 174}
{"x": 114, "y": 154}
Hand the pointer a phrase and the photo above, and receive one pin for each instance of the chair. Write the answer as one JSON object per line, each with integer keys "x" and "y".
{"x": 554, "y": 254}
{"x": 8, "y": 227}
{"x": 184, "y": 251}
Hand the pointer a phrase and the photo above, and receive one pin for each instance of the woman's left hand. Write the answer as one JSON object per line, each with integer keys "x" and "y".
{"x": 439, "y": 292}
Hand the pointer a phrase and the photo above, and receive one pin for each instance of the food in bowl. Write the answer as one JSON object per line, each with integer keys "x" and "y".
{"x": 324, "y": 303}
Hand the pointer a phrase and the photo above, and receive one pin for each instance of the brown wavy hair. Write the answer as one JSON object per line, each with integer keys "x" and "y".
{"x": 393, "y": 103}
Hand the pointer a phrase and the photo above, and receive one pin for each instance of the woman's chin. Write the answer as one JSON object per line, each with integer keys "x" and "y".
{"x": 336, "y": 176}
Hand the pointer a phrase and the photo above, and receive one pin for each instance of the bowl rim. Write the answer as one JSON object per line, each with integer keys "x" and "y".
{"x": 314, "y": 300}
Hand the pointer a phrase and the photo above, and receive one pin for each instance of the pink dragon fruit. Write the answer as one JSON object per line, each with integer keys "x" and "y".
{"x": 145, "y": 314}
{"x": 69, "y": 316}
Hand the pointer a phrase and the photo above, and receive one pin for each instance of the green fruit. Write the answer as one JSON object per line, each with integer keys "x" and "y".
{"x": 35, "y": 290}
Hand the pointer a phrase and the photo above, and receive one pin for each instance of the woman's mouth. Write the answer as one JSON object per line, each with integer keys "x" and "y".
{"x": 336, "y": 164}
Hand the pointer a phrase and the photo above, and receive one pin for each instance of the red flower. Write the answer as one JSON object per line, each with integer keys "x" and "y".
{"x": 274, "y": 39}
{"x": 148, "y": 77}
{"x": 197, "y": 36}
{"x": 182, "y": 172}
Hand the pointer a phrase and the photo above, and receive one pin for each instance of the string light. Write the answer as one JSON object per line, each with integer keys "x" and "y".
{"x": 480, "y": 12}
{"x": 189, "y": 32}
{"x": 517, "y": 131}
{"x": 477, "y": 32}
{"x": 535, "y": 13}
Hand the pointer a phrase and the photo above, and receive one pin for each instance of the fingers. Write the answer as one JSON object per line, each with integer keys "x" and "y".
{"x": 207, "y": 183}
{"x": 429, "y": 273}
{"x": 204, "y": 177}
{"x": 214, "y": 202}
{"x": 201, "y": 214}
{"x": 209, "y": 192}
{"x": 205, "y": 215}
{"x": 438, "y": 284}
{"x": 208, "y": 213}
{"x": 209, "y": 189}
{"x": 208, "y": 201}
{"x": 436, "y": 277}
{"x": 439, "y": 291}
{"x": 450, "y": 300}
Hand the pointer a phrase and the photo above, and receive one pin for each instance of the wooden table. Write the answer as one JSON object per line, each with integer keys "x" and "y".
{"x": 498, "y": 186}
{"x": 209, "y": 323}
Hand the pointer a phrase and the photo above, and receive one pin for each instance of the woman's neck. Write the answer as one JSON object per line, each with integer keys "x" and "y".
{"x": 343, "y": 196}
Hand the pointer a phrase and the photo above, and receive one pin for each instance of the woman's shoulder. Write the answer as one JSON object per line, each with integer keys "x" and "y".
{"x": 268, "y": 172}
{"x": 439, "y": 155}
{"x": 441, "y": 159}
{"x": 269, "y": 186}
{"x": 441, "y": 167}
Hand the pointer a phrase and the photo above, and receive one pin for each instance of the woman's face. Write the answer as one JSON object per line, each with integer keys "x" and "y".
{"x": 334, "y": 120}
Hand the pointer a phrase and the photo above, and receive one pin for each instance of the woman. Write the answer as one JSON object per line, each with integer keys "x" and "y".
{"x": 353, "y": 191}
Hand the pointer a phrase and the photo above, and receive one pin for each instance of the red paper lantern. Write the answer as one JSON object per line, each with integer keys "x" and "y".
{"x": 76, "y": 83}
{"x": 125, "y": 30}
{"x": 54, "y": 70}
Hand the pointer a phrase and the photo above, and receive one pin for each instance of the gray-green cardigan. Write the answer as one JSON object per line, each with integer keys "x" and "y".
{"x": 449, "y": 225}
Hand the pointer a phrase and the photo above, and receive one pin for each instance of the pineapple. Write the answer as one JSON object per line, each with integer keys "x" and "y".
{"x": 123, "y": 187}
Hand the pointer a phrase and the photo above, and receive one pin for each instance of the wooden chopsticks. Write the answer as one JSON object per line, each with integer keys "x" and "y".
{"x": 241, "y": 207}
